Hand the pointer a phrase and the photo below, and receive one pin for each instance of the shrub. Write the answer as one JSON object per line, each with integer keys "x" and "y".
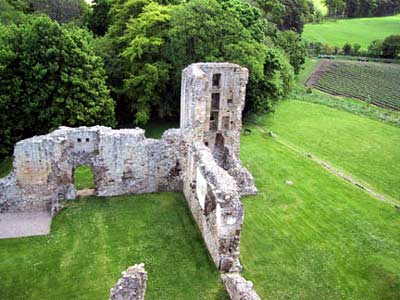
{"x": 347, "y": 49}
{"x": 375, "y": 48}
{"x": 391, "y": 47}
{"x": 356, "y": 49}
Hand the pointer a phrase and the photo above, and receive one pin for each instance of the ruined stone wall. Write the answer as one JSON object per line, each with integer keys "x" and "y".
{"x": 132, "y": 285}
{"x": 200, "y": 158}
{"x": 214, "y": 200}
{"x": 239, "y": 288}
{"x": 123, "y": 162}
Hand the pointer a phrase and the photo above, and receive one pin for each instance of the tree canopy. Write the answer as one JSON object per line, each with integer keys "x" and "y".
{"x": 154, "y": 42}
{"x": 49, "y": 76}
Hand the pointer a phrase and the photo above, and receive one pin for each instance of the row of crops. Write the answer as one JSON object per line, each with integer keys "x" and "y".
{"x": 378, "y": 84}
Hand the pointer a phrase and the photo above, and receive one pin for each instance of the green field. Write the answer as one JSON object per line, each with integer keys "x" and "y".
{"x": 83, "y": 178}
{"x": 362, "y": 31}
{"x": 371, "y": 82}
{"x": 93, "y": 240}
{"x": 320, "y": 238}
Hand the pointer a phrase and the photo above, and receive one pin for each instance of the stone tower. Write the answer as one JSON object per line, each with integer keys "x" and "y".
{"x": 212, "y": 100}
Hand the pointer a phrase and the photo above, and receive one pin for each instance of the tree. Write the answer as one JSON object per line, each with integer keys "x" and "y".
{"x": 99, "y": 20}
{"x": 49, "y": 76}
{"x": 11, "y": 12}
{"x": 391, "y": 46}
{"x": 63, "y": 11}
{"x": 148, "y": 45}
{"x": 347, "y": 49}
{"x": 362, "y": 8}
{"x": 294, "y": 48}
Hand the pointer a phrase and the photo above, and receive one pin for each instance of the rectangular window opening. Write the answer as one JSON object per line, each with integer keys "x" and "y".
{"x": 215, "y": 101}
{"x": 216, "y": 79}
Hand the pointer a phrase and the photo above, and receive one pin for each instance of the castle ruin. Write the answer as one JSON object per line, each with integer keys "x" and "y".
{"x": 200, "y": 159}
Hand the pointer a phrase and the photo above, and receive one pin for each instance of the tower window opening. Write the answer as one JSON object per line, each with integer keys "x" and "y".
{"x": 216, "y": 79}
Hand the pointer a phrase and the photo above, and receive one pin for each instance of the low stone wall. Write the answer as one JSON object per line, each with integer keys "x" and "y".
{"x": 214, "y": 200}
{"x": 132, "y": 285}
{"x": 239, "y": 288}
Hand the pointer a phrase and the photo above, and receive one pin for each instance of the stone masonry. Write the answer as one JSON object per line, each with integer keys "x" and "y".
{"x": 239, "y": 288}
{"x": 132, "y": 285}
{"x": 123, "y": 162}
{"x": 200, "y": 159}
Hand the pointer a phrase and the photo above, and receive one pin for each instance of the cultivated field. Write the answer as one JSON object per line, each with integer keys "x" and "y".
{"x": 371, "y": 82}
{"x": 362, "y": 31}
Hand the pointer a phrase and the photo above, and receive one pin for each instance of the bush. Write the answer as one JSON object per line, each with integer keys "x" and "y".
{"x": 347, "y": 50}
{"x": 391, "y": 47}
{"x": 50, "y": 76}
{"x": 356, "y": 50}
{"x": 375, "y": 48}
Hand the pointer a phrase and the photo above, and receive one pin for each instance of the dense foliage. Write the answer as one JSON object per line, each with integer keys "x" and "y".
{"x": 100, "y": 17}
{"x": 12, "y": 11}
{"x": 49, "y": 76}
{"x": 144, "y": 45}
{"x": 63, "y": 11}
{"x": 362, "y": 8}
{"x": 148, "y": 44}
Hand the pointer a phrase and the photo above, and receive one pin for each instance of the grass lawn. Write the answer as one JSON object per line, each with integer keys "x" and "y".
{"x": 95, "y": 239}
{"x": 83, "y": 178}
{"x": 367, "y": 149}
{"x": 320, "y": 238}
{"x": 362, "y": 31}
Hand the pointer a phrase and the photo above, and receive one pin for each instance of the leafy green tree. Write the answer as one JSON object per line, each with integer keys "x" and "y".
{"x": 391, "y": 47}
{"x": 249, "y": 15}
{"x": 63, "y": 11}
{"x": 11, "y": 12}
{"x": 99, "y": 19}
{"x": 49, "y": 76}
{"x": 148, "y": 44}
{"x": 294, "y": 47}
{"x": 276, "y": 83}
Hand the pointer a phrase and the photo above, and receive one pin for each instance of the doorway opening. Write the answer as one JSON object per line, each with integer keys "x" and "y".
{"x": 84, "y": 181}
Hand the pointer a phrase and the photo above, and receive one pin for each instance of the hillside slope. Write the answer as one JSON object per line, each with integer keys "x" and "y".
{"x": 362, "y": 31}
